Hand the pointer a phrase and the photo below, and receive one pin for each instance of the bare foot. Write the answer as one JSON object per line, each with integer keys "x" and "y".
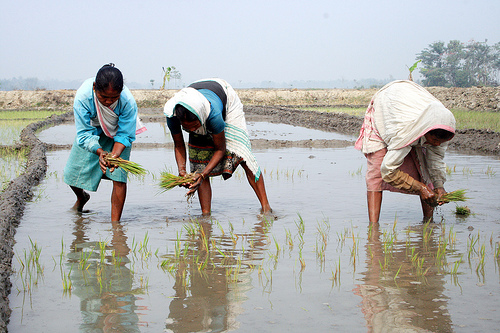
{"x": 267, "y": 214}
{"x": 428, "y": 219}
{"x": 81, "y": 201}
{"x": 266, "y": 210}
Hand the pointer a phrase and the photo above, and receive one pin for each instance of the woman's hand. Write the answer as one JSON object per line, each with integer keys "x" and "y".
{"x": 102, "y": 162}
{"x": 440, "y": 191}
{"x": 427, "y": 195}
{"x": 198, "y": 179}
{"x": 183, "y": 173}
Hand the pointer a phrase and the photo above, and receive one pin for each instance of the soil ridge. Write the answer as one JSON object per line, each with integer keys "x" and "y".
{"x": 474, "y": 98}
{"x": 13, "y": 201}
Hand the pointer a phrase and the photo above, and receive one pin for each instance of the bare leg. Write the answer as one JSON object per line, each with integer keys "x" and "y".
{"x": 118, "y": 200}
{"x": 428, "y": 212}
{"x": 374, "y": 199}
{"x": 259, "y": 189}
{"x": 205, "y": 197}
{"x": 81, "y": 198}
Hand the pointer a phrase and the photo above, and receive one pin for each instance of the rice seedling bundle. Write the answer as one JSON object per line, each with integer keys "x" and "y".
{"x": 462, "y": 210}
{"x": 128, "y": 166}
{"x": 458, "y": 195}
{"x": 168, "y": 181}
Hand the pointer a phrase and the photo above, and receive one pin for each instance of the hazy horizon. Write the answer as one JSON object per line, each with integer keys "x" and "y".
{"x": 242, "y": 42}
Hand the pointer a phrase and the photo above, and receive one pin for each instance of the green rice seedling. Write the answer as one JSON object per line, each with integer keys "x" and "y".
{"x": 31, "y": 268}
{"x": 289, "y": 239}
{"x": 84, "y": 258}
{"x": 168, "y": 181}
{"x": 456, "y": 265}
{"x": 301, "y": 226}
{"x": 427, "y": 233}
{"x": 357, "y": 172}
{"x": 489, "y": 171}
{"x": 115, "y": 260}
{"x": 336, "y": 275}
{"x": 452, "y": 237}
{"x": 129, "y": 166}
{"x": 66, "y": 281}
{"x": 482, "y": 256}
{"x": 394, "y": 224}
{"x": 458, "y": 195}
{"x": 397, "y": 273}
{"x": 462, "y": 211}
{"x": 102, "y": 251}
{"x": 191, "y": 229}
{"x": 467, "y": 171}
{"x": 277, "y": 244}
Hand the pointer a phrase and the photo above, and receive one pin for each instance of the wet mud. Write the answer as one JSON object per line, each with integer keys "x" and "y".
{"x": 19, "y": 191}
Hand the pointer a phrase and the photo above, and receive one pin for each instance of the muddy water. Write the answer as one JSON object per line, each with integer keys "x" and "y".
{"x": 317, "y": 266}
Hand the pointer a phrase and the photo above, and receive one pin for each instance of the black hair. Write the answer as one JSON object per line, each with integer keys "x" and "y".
{"x": 184, "y": 114}
{"x": 107, "y": 76}
{"x": 442, "y": 134}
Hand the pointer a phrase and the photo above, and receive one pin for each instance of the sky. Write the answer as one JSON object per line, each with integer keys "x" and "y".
{"x": 239, "y": 41}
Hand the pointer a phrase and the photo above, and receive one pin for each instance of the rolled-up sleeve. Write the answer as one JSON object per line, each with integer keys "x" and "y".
{"x": 127, "y": 120}
{"x": 87, "y": 136}
{"x": 392, "y": 161}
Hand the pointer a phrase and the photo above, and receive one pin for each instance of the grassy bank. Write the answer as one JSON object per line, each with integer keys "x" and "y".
{"x": 465, "y": 118}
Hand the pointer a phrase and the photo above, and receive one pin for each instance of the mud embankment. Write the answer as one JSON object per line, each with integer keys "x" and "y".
{"x": 471, "y": 141}
{"x": 12, "y": 202}
{"x": 477, "y": 98}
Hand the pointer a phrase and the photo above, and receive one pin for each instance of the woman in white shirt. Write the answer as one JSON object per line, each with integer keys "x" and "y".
{"x": 404, "y": 137}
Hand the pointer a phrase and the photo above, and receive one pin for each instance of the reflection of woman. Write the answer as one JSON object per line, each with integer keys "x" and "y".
{"x": 209, "y": 299}
{"x": 410, "y": 302}
{"x": 212, "y": 113}
{"x": 105, "y": 119}
{"x": 402, "y": 138}
{"x": 107, "y": 301}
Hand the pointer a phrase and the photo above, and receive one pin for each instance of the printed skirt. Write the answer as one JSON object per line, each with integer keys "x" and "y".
{"x": 201, "y": 150}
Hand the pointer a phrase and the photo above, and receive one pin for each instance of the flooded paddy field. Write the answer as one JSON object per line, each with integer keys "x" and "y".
{"x": 315, "y": 265}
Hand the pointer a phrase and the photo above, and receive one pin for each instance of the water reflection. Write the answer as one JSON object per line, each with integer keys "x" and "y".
{"x": 102, "y": 281}
{"x": 212, "y": 274}
{"x": 404, "y": 283}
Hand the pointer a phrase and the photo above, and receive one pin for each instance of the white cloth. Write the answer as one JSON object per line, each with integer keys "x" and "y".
{"x": 400, "y": 114}
{"x": 235, "y": 131}
{"x": 107, "y": 119}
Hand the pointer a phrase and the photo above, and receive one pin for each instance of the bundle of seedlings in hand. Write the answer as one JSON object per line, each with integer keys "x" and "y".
{"x": 168, "y": 181}
{"x": 458, "y": 195}
{"x": 128, "y": 166}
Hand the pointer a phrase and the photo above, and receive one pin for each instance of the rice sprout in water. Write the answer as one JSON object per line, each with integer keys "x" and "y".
{"x": 462, "y": 210}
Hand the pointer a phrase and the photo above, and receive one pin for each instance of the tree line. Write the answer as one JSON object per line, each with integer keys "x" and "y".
{"x": 458, "y": 64}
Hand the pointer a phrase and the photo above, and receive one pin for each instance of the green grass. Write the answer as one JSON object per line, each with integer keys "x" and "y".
{"x": 31, "y": 114}
{"x": 477, "y": 119}
{"x": 465, "y": 118}
{"x": 358, "y": 112}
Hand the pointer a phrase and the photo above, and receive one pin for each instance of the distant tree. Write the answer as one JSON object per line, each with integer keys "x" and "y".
{"x": 460, "y": 65}
{"x": 167, "y": 74}
{"x": 176, "y": 75}
{"x": 152, "y": 83}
